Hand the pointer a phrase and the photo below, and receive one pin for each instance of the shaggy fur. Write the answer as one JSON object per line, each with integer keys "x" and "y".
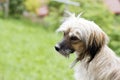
{"x": 96, "y": 61}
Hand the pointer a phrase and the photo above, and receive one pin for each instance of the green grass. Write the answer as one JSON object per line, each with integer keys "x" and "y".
{"x": 27, "y": 53}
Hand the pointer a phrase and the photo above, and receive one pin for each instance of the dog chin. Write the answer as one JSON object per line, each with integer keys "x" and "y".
{"x": 66, "y": 53}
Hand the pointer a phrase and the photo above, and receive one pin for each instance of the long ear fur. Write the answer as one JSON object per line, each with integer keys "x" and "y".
{"x": 95, "y": 43}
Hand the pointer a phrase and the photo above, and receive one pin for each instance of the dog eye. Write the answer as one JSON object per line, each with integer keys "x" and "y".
{"x": 73, "y": 38}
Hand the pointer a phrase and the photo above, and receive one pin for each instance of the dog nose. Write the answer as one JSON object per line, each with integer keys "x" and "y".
{"x": 57, "y": 48}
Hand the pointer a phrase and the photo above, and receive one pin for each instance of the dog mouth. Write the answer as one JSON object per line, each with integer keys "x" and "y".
{"x": 66, "y": 53}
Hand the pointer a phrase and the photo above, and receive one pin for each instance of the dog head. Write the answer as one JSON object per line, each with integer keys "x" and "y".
{"x": 81, "y": 36}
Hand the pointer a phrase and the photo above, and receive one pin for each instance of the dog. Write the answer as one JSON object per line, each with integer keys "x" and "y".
{"x": 95, "y": 60}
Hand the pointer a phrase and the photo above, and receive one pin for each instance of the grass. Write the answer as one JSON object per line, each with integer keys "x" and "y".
{"x": 27, "y": 53}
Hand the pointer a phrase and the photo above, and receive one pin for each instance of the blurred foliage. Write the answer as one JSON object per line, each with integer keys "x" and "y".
{"x": 114, "y": 35}
{"x": 92, "y": 10}
{"x": 32, "y": 5}
{"x": 56, "y": 11}
{"x": 16, "y": 7}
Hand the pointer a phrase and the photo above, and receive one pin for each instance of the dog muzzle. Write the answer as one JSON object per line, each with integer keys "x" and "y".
{"x": 64, "y": 51}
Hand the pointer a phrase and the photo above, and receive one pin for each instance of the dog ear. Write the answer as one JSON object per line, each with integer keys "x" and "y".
{"x": 95, "y": 43}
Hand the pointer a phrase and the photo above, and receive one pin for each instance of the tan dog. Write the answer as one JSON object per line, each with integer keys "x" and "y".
{"x": 96, "y": 60}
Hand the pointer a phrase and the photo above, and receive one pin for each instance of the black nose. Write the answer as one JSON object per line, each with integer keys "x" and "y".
{"x": 57, "y": 48}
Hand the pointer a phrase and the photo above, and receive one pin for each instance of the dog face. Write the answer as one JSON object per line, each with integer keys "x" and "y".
{"x": 69, "y": 44}
{"x": 81, "y": 36}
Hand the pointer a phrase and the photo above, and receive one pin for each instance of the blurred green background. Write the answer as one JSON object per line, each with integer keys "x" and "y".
{"x": 27, "y": 37}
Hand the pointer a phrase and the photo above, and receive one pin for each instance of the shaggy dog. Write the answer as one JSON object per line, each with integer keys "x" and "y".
{"x": 96, "y": 61}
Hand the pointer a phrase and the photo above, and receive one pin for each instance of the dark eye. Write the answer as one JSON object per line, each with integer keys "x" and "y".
{"x": 73, "y": 38}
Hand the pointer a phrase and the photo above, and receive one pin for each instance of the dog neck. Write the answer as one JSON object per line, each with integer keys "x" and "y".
{"x": 79, "y": 58}
{"x": 82, "y": 57}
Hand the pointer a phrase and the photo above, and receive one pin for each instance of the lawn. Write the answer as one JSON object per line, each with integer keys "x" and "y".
{"x": 27, "y": 53}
